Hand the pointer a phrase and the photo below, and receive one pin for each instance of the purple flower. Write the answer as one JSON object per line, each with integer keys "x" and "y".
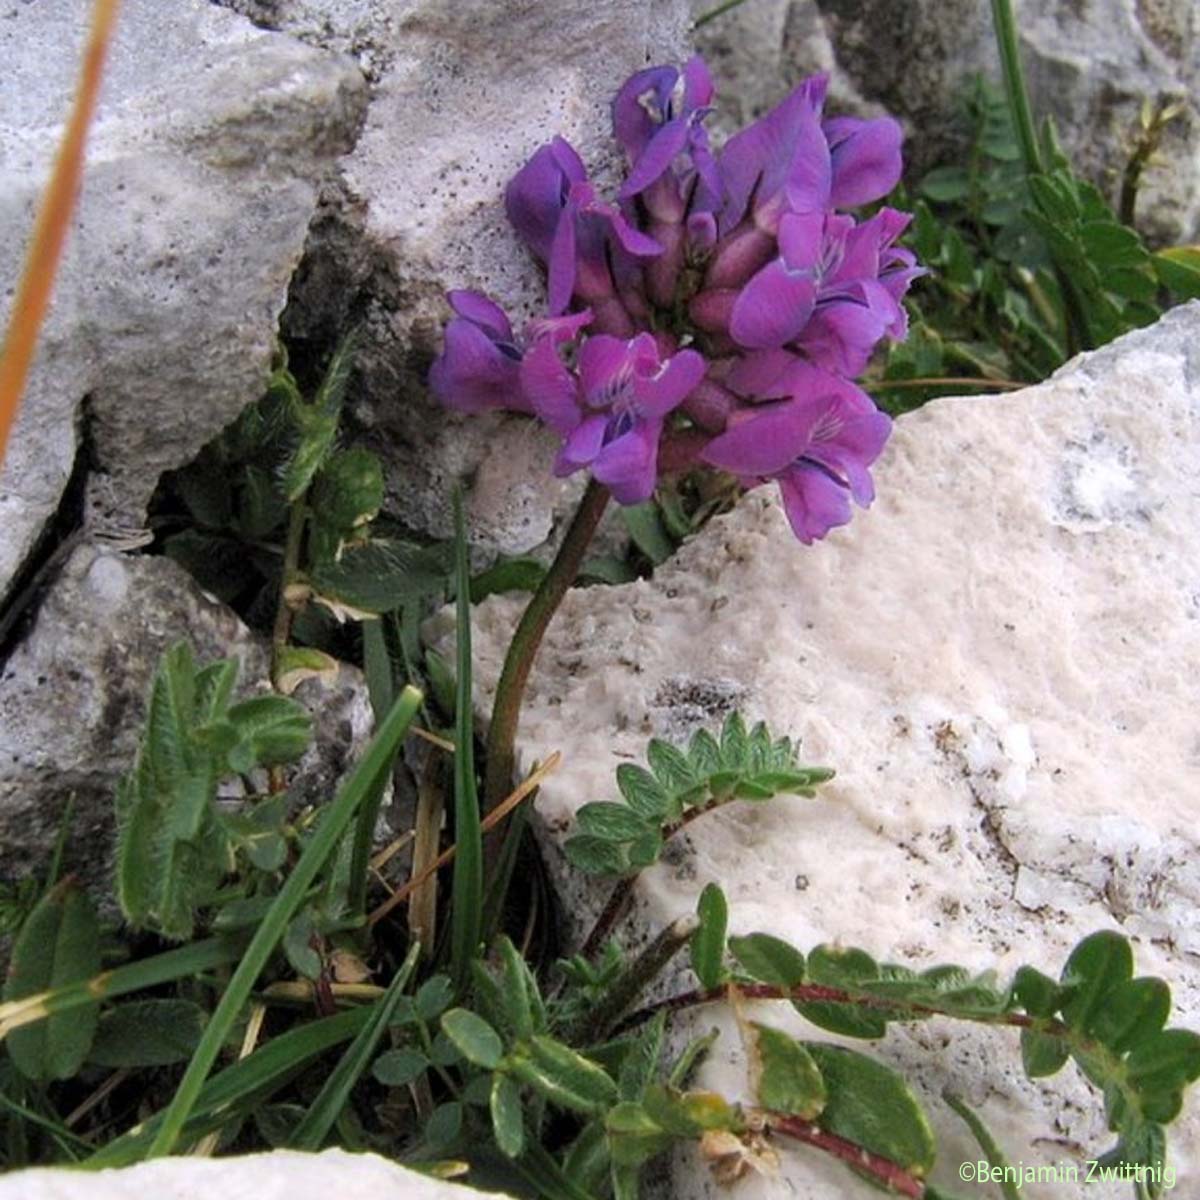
{"x": 818, "y": 446}
{"x": 744, "y": 254}
{"x": 580, "y": 239}
{"x": 611, "y": 415}
{"x": 480, "y": 365}
{"x": 789, "y": 161}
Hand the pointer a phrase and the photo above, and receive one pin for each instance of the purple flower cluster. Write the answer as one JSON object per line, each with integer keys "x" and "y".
{"x": 716, "y": 313}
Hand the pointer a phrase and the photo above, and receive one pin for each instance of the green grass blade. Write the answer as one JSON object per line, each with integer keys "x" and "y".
{"x": 338, "y": 816}
{"x": 312, "y": 1131}
{"x": 243, "y": 1085}
{"x": 188, "y": 960}
{"x": 467, "y": 912}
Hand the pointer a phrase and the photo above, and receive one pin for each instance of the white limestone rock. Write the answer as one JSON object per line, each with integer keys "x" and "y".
{"x": 463, "y": 93}
{"x": 1089, "y": 65}
{"x": 998, "y": 658}
{"x": 281, "y": 1175}
{"x": 202, "y": 170}
{"x": 73, "y": 702}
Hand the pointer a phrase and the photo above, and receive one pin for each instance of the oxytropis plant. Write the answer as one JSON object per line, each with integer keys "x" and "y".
{"x": 713, "y": 316}
{"x": 716, "y": 313}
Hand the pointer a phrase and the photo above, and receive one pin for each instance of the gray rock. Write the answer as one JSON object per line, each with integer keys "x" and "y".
{"x": 202, "y": 172}
{"x": 282, "y": 1175}
{"x": 463, "y": 94}
{"x": 73, "y": 701}
{"x": 1089, "y": 65}
{"x": 997, "y": 658}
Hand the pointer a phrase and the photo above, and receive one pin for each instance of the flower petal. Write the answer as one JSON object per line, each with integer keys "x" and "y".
{"x": 773, "y": 307}
{"x": 563, "y": 264}
{"x": 764, "y": 442}
{"x": 485, "y": 312}
{"x": 865, "y": 158}
{"x": 627, "y": 465}
{"x": 659, "y": 394}
{"x": 605, "y": 369}
{"x": 472, "y": 374}
{"x": 535, "y": 196}
{"x": 663, "y": 148}
{"x": 551, "y": 389}
{"x": 814, "y": 502}
{"x": 633, "y": 125}
{"x": 583, "y": 443}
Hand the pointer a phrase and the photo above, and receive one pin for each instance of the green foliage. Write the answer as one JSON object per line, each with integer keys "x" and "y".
{"x": 58, "y": 945}
{"x": 616, "y": 838}
{"x": 1028, "y": 264}
{"x": 174, "y": 846}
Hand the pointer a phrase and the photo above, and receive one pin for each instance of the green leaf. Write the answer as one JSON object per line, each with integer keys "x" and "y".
{"x": 475, "y": 1039}
{"x": 562, "y": 1076}
{"x": 521, "y": 999}
{"x": 1133, "y": 1012}
{"x": 641, "y": 1061}
{"x": 335, "y": 819}
{"x": 846, "y": 969}
{"x": 297, "y": 946}
{"x": 466, "y": 914}
{"x": 789, "y": 1080}
{"x": 708, "y": 942}
{"x": 946, "y": 184}
{"x": 610, "y": 822}
{"x": 768, "y": 959}
{"x": 148, "y": 1033}
{"x": 648, "y": 532}
{"x": 397, "y": 1068}
{"x": 596, "y": 856}
{"x": 734, "y": 743}
{"x": 670, "y": 766}
{"x": 275, "y": 729}
{"x": 318, "y": 422}
{"x": 508, "y": 1121}
{"x": 1099, "y": 964}
{"x": 642, "y": 792}
{"x": 1165, "y": 1062}
{"x": 870, "y": 1104}
{"x": 634, "y": 1136}
{"x": 1110, "y": 245}
{"x": 378, "y": 576}
{"x": 704, "y": 755}
{"x": 294, "y": 664}
{"x": 58, "y": 945}
{"x": 444, "y": 1125}
{"x": 1179, "y": 269}
{"x": 1042, "y": 1054}
{"x": 348, "y": 492}
{"x": 508, "y": 575}
{"x": 433, "y": 997}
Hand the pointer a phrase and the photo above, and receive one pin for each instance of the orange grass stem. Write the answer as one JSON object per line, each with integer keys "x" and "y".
{"x": 50, "y": 231}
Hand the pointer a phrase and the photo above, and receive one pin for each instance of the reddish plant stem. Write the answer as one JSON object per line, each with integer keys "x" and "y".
{"x": 888, "y": 1174}
{"x": 807, "y": 993}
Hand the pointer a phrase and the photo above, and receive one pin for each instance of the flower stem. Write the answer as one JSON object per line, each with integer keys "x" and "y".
{"x": 522, "y": 650}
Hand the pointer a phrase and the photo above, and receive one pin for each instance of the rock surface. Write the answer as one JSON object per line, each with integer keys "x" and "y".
{"x": 1089, "y": 65}
{"x": 283, "y": 1175}
{"x": 73, "y": 700}
{"x": 202, "y": 172}
{"x": 998, "y": 658}
{"x": 463, "y": 93}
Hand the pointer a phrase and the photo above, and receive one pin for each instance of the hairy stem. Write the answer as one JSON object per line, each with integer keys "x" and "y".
{"x": 618, "y": 901}
{"x": 632, "y": 982}
{"x": 889, "y": 1175}
{"x": 506, "y": 708}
